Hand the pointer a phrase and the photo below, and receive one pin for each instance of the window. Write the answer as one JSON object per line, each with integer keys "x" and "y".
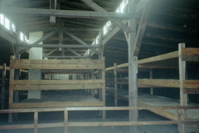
{"x": 21, "y": 36}
{"x": 2, "y": 19}
{"x": 7, "y": 23}
{"x": 97, "y": 40}
{"x": 13, "y": 27}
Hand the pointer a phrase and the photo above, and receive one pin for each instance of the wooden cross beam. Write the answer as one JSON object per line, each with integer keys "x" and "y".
{"x": 66, "y": 13}
{"x": 97, "y": 8}
{"x": 37, "y": 42}
{"x": 81, "y": 41}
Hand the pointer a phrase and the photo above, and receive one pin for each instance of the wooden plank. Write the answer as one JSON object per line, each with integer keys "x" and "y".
{"x": 66, "y": 121}
{"x": 141, "y": 29}
{"x": 190, "y": 51}
{"x": 35, "y": 122}
{"x": 67, "y": 13}
{"x": 191, "y": 86}
{"x": 115, "y": 84}
{"x": 56, "y": 104}
{"x": 182, "y": 77}
{"x": 97, "y": 8}
{"x": 3, "y": 83}
{"x": 160, "y": 112}
{"x": 57, "y": 87}
{"x": 159, "y": 58}
{"x": 159, "y": 83}
{"x": 56, "y": 82}
{"x": 57, "y": 64}
{"x": 37, "y": 61}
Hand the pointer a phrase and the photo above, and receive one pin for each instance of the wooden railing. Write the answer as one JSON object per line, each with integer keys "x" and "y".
{"x": 180, "y": 122}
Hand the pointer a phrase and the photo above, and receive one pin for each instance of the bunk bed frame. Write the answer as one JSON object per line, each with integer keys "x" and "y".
{"x": 175, "y": 59}
{"x": 60, "y": 66}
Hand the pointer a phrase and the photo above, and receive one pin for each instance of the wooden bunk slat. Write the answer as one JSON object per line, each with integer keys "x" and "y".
{"x": 55, "y": 82}
{"x": 190, "y": 54}
{"x": 57, "y": 87}
{"x": 159, "y": 58}
{"x": 56, "y": 64}
{"x": 191, "y": 86}
{"x": 56, "y": 104}
{"x": 158, "y": 83}
{"x": 161, "y": 112}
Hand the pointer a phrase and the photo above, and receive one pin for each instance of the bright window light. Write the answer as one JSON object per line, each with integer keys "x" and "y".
{"x": 13, "y": 27}
{"x": 97, "y": 40}
{"x": 21, "y": 36}
{"x": 2, "y": 19}
{"x": 7, "y": 23}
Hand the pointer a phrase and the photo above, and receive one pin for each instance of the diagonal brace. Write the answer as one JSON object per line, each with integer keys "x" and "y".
{"x": 38, "y": 41}
{"x": 96, "y": 7}
{"x": 80, "y": 41}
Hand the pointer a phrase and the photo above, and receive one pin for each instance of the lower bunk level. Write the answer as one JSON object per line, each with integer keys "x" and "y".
{"x": 145, "y": 100}
{"x": 75, "y": 98}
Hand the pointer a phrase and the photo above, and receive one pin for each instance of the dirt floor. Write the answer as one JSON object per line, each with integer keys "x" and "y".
{"x": 95, "y": 116}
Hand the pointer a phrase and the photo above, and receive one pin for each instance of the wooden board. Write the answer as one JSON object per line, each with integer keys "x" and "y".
{"x": 147, "y": 100}
{"x": 56, "y": 64}
{"x": 158, "y": 83}
{"x": 55, "y": 82}
{"x": 56, "y": 104}
{"x": 159, "y": 58}
{"x": 57, "y": 87}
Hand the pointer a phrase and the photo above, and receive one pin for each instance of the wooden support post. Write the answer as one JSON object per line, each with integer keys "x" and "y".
{"x": 103, "y": 88}
{"x": 3, "y": 86}
{"x": 151, "y": 77}
{"x": 11, "y": 93}
{"x": 66, "y": 121}
{"x": 115, "y": 84}
{"x": 35, "y": 122}
{"x": 180, "y": 126}
{"x": 93, "y": 77}
{"x": 182, "y": 77}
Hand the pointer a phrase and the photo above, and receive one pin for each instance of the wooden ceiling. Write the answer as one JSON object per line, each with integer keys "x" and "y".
{"x": 169, "y": 23}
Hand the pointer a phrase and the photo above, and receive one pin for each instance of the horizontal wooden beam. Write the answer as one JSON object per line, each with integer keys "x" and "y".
{"x": 59, "y": 46}
{"x": 66, "y": 13}
{"x": 190, "y": 54}
{"x": 57, "y": 87}
{"x": 56, "y": 104}
{"x": 159, "y": 83}
{"x": 159, "y": 58}
{"x": 56, "y": 64}
{"x": 55, "y": 82}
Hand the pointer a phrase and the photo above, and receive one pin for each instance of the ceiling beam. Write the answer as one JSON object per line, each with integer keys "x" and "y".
{"x": 141, "y": 29}
{"x": 37, "y": 42}
{"x": 63, "y": 57}
{"x": 58, "y": 46}
{"x": 139, "y": 6}
{"x": 97, "y": 8}
{"x": 66, "y": 13}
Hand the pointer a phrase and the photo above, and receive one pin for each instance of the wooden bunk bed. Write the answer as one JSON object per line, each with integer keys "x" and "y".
{"x": 79, "y": 66}
{"x": 175, "y": 59}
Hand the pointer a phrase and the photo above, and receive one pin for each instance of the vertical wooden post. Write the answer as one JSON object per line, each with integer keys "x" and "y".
{"x": 3, "y": 86}
{"x": 115, "y": 84}
{"x": 66, "y": 121}
{"x": 93, "y": 77}
{"x": 133, "y": 69}
{"x": 104, "y": 87}
{"x": 182, "y": 77}
{"x": 11, "y": 93}
{"x": 151, "y": 77}
{"x": 180, "y": 126}
{"x": 35, "y": 122}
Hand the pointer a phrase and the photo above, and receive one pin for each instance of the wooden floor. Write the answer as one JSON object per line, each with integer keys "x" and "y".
{"x": 152, "y": 100}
